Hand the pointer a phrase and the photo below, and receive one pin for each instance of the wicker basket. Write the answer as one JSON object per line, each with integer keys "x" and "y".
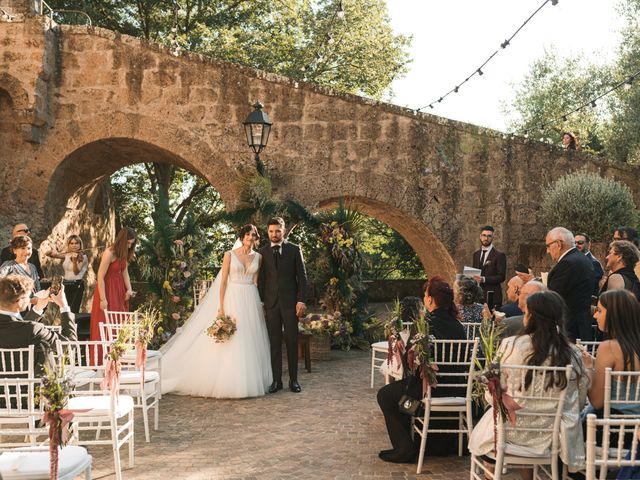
{"x": 320, "y": 348}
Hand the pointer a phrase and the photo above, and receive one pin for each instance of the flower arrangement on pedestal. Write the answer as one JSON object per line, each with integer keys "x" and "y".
{"x": 332, "y": 327}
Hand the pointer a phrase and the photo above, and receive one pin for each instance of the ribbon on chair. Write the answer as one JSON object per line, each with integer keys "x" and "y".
{"x": 396, "y": 350}
{"x": 58, "y": 422}
{"x": 141, "y": 356}
{"x": 503, "y": 403}
{"x": 111, "y": 379}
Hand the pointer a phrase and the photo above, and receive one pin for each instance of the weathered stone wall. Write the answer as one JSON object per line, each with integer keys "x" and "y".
{"x": 81, "y": 102}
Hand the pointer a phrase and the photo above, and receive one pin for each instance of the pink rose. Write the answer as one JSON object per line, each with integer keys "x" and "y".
{"x": 178, "y": 242}
{"x": 175, "y": 299}
{"x": 175, "y": 316}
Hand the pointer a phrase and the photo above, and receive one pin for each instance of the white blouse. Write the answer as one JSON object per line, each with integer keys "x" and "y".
{"x": 67, "y": 265}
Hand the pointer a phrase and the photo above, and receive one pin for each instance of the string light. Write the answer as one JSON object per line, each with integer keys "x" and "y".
{"x": 340, "y": 13}
{"x": 478, "y": 71}
{"x": 175, "y": 46}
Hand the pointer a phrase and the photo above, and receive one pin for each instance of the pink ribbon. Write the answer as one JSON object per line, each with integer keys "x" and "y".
{"x": 501, "y": 401}
{"x": 111, "y": 377}
{"x": 396, "y": 350}
{"x": 141, "y": 356}
{"x": 58, "y": 422}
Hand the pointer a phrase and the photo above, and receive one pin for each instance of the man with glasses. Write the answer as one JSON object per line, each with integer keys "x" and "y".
{"x": 583, "y": 244}
{"x": 572, "y": 278}
{"x": 7, "y": 254}
{"x": 492, "y": 265}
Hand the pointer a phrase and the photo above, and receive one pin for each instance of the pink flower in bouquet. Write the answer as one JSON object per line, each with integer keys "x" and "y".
{"x": 175, "y": 299}
{"x": 180, "y": 243}
{"x": 175, "y": 316}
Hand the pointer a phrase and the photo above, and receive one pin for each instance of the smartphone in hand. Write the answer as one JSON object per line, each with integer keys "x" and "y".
{"x": 56, "y": 285}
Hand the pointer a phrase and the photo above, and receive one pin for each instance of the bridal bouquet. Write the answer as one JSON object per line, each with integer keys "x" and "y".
{"x": 222, "y": 328}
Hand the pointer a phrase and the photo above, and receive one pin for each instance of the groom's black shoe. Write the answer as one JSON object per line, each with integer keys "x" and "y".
{"x": 275, "y": 386}
{"x": 294, "y": 386}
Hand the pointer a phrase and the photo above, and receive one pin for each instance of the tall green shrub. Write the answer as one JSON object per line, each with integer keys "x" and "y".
{"x": 585, "y": 202}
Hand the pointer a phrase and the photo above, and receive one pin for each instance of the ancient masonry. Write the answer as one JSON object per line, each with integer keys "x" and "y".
{"x": 78, "y": 103}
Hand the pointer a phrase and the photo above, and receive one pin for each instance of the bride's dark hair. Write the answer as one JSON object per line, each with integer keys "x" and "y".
{"x": 248, "y": 228}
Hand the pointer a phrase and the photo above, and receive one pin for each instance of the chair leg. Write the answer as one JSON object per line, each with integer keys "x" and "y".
{"x": 156, "y": 414}
{"x": 160, "y": 375}
{"x": 423, "y": 440}
{"x": 373, "y": 366}
{"x": 116, "y": 448}
{"x": 131, "y": 440}
{"x": 145, "y": 414}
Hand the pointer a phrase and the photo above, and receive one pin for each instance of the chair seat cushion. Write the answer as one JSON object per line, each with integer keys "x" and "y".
{"x": 447, "y": 401}
{"x": 379, "y": 346}
{"x": 99, "y": 405}
{"x": 21, "y": 464}
{"x": 128, "y": 377}
{"x": 151, "y": 355}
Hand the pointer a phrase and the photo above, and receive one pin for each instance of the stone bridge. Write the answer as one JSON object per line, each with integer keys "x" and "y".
{"x": 78, "y": 103}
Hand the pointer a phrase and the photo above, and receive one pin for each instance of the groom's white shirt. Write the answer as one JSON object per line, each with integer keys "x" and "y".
{"x": 278, "y": 244}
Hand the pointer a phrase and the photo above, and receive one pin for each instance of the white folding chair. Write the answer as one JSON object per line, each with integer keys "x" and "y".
{"x": 19, "y": 413}
{"x": 17, "y": 362}
{"x": 455, "y": 360}
{"x": 32, "y": 463}
{"x": 540, "y": 415}
{"x": 95, "y": 407}
{"x": 379, "y": 351}
{"x": 144, "y": 388}
{"x": 623, "y": 426}
{"x": 154, "y": 357}
{"x": 200, "y": 288}
{"x": 591, "y": 347}
{"x": 472, "y": 329}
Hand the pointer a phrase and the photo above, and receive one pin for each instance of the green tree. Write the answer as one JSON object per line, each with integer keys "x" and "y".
{"x": 586, "y": 202}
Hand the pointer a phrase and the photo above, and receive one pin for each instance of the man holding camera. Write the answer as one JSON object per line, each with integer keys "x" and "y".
{"x": 19, "y": 332}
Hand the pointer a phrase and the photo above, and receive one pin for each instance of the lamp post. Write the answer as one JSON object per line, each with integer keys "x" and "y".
{"x": 257, "y": 127}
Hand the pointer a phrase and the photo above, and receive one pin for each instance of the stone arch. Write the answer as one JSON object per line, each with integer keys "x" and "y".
{"x": 430, "y": 249}
{"x": 18, "y": 95}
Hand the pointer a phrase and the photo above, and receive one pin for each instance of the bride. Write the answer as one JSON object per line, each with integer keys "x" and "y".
{"x": 194, "y": 364}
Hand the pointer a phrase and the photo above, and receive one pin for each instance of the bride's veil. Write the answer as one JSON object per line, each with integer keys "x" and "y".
{"x": 173, "y": 352}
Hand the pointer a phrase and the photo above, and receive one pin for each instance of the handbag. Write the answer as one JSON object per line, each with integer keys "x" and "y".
{"x": 410, "y": 405}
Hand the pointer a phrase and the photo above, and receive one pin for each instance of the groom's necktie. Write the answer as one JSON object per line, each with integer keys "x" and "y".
{"x": 276, "y": 255}
{"x": 482, "y": 258}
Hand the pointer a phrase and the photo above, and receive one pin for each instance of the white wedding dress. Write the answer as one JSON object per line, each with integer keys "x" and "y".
{"x": 194, "y": 364}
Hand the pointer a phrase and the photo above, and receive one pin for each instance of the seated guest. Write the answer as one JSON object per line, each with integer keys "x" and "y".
{"x": 7, "y": 252}
{"x": 22, "y": 248}
{"x": 19, "y": 332}
{"x": 467, "y": 295}
{"x": 443, "y": 324}
{"x": 631, "y": 234}
{"x": 617, "y": 314}
{"x": 75, "y": 265}
{"x": 511, "y": 309}
{"x": 542, "y": 343}
{"x": 514, "y": 325}
{"x": 622, "y": 257}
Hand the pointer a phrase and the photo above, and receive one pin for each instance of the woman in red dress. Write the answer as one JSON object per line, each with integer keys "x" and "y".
{"x": 113, "y": 290}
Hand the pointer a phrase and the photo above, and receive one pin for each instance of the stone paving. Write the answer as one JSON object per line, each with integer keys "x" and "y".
{"x": 332, "y": 430}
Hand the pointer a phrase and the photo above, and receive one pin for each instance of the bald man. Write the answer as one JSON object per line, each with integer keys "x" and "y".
{"x": 513, "y": 325}
{"x": 7, "y": 254}
{"x": 511, "y": 309}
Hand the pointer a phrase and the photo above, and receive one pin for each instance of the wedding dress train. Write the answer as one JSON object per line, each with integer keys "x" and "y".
{"x": 194, "y": 364}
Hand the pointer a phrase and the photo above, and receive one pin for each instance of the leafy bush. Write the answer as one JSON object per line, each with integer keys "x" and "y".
{"x": 586, "y": 202}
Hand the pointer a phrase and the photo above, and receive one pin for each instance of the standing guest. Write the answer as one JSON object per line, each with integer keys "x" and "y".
{"x": 443, "y": 324}
{"x": 583, "y": 244}
{"x": 569, "y": 141}
{"x": 75, "y": 265}
{"x": 623, "y": 255}
{"x": 542, "y": 343}
{"x": 492, "y": 264}
{"x": 113, "y": 290}
{"x": 20, "y": 332}
{"x": 467, "y": 294}
{"x": 22, "y": 249}
{"x": 511, "y": 309}
{"x": 7, "y": 253}
{"x": 631, "y": 234}
{"x": 572, "y": 278}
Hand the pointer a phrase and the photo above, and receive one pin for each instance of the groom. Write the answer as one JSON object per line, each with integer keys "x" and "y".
{"x": 283, "y": 286}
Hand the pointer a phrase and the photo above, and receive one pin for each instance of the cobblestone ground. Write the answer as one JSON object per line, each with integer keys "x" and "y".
{"x": 332, "y": 430}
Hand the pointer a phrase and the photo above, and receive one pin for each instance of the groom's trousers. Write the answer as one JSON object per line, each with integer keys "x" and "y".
{"x": 277, "y": 318}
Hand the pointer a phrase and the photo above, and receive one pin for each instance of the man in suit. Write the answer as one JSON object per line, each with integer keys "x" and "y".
{"x": 492, "y": 265}
{"x": 572, "y": 278}
{"x": 512, "y": 309}
{"x": 583, "y": 244}
{"x": 19, "y": 332}
{"x": 7, "y": 253}
{"x": 513, "y": 324}
{"x": 282, "y": 283}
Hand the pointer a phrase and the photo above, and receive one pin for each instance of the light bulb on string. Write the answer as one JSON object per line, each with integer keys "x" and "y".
{"x": 564, "y": 118}
{"x": 504, "y": 44}
{"x": 594, "y": 104}
{"x": 455, "y": 90}
{"x": 329, "y": 39}
{"x": 480, "y": 72}
{"x": 340, "y": 13}
{"x": 628, "y": 83}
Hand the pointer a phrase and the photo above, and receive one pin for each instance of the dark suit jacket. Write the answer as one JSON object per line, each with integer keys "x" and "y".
{"x": 572, "y": 278}
{"x": 286, "y": 284}
{"x": 598, "y": 272}
{"x": 6, "y": 254}
{"x": 510, "y": 309}
{"x": 22, "y": 333}
{"x": 494, "y": 272}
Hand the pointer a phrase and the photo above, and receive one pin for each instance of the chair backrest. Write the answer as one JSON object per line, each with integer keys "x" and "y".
{"x": 621, "y": 394}
{"x": 591, "y": 347}
{"x": 457, "y": 357}
{"x": 17, "y": 362}
{"x": 541, "y": 407}
{"x": 200, "y": 288}
{"x": 83, "y": 353}
{"x": 623, "y": 426}
{"x": 121, "y": 317}
{"x": 109, "y": 332}
{"x": 17, "y": 396}
{"x": 472, "y": 329}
